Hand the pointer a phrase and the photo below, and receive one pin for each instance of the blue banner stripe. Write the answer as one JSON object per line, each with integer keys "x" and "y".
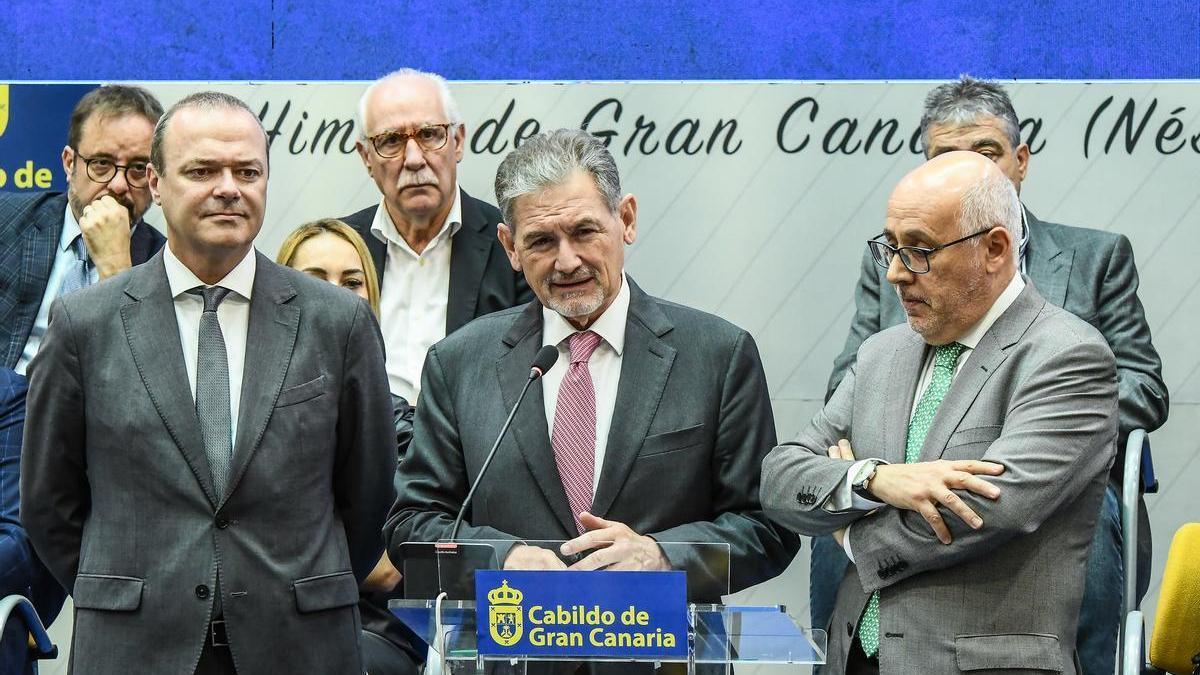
{"x": 624, "y": 39}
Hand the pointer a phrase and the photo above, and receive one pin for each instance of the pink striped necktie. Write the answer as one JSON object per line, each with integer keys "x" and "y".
{"x": 574, "y": 434}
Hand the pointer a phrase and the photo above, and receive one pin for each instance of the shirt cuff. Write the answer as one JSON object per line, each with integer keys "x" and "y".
{"x": 846, "y": 542}
{"x": 843, "y": 497}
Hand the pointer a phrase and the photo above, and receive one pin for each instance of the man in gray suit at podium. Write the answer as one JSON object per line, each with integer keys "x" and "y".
{"x": 650, "y": 428}
{"x": 983, "y": 431}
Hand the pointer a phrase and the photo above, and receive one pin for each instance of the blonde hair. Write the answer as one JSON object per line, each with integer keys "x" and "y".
{"x": 287, "y": 251}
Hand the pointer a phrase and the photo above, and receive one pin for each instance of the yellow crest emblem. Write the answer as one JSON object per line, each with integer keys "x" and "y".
{"x": 3, "y": 108}
{"x": 505, "y": 615}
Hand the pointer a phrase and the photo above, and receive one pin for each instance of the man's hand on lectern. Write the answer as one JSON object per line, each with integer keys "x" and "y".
{"x": 614, "y": 546}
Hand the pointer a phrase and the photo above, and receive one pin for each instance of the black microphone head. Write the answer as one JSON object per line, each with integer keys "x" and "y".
{"x": 542, "y": 362}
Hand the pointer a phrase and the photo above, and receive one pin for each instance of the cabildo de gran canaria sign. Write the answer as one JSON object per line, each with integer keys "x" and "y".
{"x": 640, "y": 615}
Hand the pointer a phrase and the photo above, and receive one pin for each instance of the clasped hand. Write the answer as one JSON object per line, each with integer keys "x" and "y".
{"x": 923, "y": 486}
{"x": 612, "y": 545}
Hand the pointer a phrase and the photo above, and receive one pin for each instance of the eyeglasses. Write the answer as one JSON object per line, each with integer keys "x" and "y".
{"x": 103, "y": 170}
{"x": 392, "y": 143}
{"x": 915, "y": 258}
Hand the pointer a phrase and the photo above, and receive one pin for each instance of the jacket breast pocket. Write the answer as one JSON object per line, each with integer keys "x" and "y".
{"x": 301, "y": 392}
{"x": 671, "y": 441}
{"x": 1014, "y": 652}
{"x": 325, "y": 591}
{"x": 107, "y": 592}
{"x": 985, "y": 434}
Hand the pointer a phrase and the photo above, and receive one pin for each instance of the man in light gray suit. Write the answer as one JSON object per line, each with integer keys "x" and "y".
{"x": 208, "y": 438}
{"x": 984, "y": 430}
{"x": 651, "y": 427}
{"x": 1090, "y": 273}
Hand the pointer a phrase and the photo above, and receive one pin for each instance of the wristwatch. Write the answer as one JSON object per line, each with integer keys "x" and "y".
{"x": 863, "y": 478}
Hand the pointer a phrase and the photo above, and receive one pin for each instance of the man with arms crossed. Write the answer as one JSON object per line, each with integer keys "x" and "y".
{"x": 984, "y": 430}
{"x": 1090, "y": 273}
{"x": 651, "y": 427}
{"x": 209, "y": 435}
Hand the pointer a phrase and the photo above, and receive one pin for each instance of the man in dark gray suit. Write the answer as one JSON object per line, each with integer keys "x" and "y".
{"x": 651, "y": 428}
{"x": 1091, "y": 274}
{"x": 209, "y": 435}
{"x": 984, "y": 430}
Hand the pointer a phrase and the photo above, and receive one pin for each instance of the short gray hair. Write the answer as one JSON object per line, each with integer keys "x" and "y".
{"x": 963, "y": 101}
{"x": 548, "y": 159}
{"x": 443, "y": 89}
{"x": 204, "y": 100}
{"x": 992, "y": 202}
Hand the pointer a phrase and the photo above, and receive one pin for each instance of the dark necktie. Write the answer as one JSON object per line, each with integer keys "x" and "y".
{"x": 212, "y": 389}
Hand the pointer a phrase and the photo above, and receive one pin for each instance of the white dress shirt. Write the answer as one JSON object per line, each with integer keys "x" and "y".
{"x": 844, "y": 497}
{"x": 414, "y": 297}
{"x": 233, "y": 314}
{"x": 604, "y": 365}
{"x": 64, "y": 260}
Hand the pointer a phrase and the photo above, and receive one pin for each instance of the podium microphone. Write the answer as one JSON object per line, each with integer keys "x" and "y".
{"x": 542, "y": 362}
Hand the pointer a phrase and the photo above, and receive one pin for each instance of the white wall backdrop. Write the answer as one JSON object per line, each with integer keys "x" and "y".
{"x": 760, "y": 216}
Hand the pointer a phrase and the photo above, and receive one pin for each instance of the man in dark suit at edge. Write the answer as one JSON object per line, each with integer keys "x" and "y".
{"x": 52, "y": 243}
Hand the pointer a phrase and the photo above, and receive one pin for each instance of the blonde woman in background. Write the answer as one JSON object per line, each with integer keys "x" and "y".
{"x": 330, "y": 249}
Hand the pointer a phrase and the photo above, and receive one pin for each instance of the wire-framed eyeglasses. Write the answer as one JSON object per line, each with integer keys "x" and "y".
{"x": 915, "y": 258}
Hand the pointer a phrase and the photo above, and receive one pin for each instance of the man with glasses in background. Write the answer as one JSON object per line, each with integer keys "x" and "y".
{"x": 52, "y": 243}
{"x": 1090, "y": 273}
{"x": 439, "y": 263}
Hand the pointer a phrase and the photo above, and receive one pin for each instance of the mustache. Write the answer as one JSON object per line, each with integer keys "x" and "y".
{"x": 425, "y": 176}
{"x": 582, "y": 274}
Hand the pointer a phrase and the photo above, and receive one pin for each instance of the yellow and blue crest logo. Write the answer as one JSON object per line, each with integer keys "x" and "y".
{"x": 505, "y": 615}
{"x": 3, "y": 108}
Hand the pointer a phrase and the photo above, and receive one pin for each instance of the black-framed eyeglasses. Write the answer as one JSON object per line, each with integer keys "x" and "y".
{"x": 103, "y": 170}
{"x": 392, "y": 143}
{"x": 915, "y": 258}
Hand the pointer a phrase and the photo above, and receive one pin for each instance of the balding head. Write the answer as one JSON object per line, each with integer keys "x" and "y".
{"x": 950, "y": 197}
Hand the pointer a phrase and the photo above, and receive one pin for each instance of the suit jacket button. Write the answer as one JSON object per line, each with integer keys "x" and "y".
{"x": 202, "y": 592}
{"x": 800, "y": 498}
{"x": 222, "y": 523}
{"x": 849, "y": 629}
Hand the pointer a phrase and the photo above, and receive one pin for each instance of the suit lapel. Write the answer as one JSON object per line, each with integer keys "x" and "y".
{"x": 1047, "y": 263}
{"x": 529, "y": 426}
{"x": 36, "y": 231}
{"x": 983, "y": 361}
{"x": 468, "y": 261}
{"x": 151, "y": 329}
{"x": 270, "y": 338}
{"x": 645, "y": 365}
{"x": 901, "y": 389}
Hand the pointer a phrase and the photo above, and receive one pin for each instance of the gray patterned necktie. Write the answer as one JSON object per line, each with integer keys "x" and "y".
{"x": 212, "y": 388}
{"x": 79, "y": 273}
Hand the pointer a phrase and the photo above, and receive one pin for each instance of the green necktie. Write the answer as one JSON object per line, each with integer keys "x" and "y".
{"x": 945, "y": 357}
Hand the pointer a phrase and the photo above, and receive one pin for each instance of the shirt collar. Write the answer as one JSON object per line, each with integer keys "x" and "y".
{"x": 975, "y": 333}
{"x": 384, "y": 228}
{"x": 610, "y": 326}
{"x": 70, "y": 230}
{"x": 240, "y": 279}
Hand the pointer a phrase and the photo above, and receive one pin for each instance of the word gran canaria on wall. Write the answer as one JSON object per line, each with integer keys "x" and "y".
{"x": 804, "y": 126}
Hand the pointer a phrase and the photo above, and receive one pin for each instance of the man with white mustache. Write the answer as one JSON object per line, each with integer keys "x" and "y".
{"x": 433, "y": 245}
